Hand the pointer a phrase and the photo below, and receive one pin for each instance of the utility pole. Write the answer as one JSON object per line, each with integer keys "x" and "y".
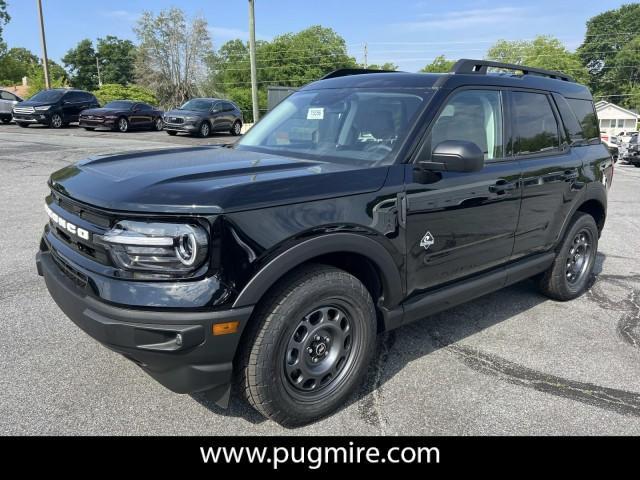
{"x": 366, "y": 54}
{"x": 98, "y": 67}
{"x": 252, "y": 60}
{"x": 45, "y": 60}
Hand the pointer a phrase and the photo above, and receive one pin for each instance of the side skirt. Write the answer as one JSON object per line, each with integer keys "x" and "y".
{"x": 443, "y": 298}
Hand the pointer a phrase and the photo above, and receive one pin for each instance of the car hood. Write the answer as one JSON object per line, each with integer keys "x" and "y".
{"x": 103, "y": 111}
{"x": 31, "y": 103}
{"x": 183, "y": 113}
{"x": 209, "y": 179}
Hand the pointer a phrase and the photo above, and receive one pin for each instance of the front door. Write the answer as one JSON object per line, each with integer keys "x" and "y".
{"x": 459, "y": 224}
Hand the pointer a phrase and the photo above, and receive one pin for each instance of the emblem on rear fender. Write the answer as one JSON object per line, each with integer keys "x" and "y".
{"x": 427, "y": 241}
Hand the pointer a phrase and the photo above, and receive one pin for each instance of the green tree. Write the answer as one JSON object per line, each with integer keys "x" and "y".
{"x": 57, "y": 75}
{"x": 543, "y": 52}
{"x": 15, "y": 64}
{"x": 117, "y": 60}
{"x": 388, "y": 66}
{"x": 171, "y": 54}
{"x": 609, "y": 34}
{"x": 81, "y": 62}
{"x": 4, "y": 16}
{"x": 439, "y": 65}
{"x": 109, "y": 92}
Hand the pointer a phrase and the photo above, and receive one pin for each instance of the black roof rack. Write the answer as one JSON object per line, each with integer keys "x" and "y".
{"x": 466, "y": 65}
{"x": 343, "y": 72}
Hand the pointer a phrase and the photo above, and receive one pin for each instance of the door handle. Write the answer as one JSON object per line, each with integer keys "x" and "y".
{"x": 501, "y": 187}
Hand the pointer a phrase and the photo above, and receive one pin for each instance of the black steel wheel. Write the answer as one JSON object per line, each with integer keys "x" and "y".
{"x": 568, "y": 276}
{"x": 308, "y": 345}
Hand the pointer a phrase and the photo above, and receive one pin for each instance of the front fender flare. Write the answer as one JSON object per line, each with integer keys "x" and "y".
{"x": 332, "y": 243}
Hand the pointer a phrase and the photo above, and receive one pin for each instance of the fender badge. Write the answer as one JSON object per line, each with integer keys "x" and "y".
{"x": 427, "y": 241}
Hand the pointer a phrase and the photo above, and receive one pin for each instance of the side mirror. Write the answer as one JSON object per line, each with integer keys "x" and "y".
{"x": 455, "y": 156}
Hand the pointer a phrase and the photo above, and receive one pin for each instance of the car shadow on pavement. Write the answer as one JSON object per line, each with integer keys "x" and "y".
{"x": 397, "y": 348}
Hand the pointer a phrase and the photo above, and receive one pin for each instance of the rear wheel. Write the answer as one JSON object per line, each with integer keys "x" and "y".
{"x": 204, "y": 130}
{"x": 310, "y": 343}
{"x": 568, "y": 276}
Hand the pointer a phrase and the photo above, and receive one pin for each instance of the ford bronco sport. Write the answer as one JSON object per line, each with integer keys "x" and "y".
{"x": 362, "y": 202}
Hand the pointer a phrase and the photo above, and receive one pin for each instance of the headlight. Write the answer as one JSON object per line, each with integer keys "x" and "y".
{"x": 156, "y": 250}
{"x": 110, "y": 117}
{"x": 43, "y": 108}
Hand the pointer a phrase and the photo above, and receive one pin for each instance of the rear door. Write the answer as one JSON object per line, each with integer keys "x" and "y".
{"x": 217, "y": 116}
{"x": 550, "y": 170}
{"x": 459, "y": 224}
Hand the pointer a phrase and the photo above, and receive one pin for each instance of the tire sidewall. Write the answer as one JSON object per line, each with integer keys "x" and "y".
{"x": 52, "y": 123}
{"x": 201, "y": 130}
{"x": 120, "y": 125}
{"x": 287, "y": 315}
{"x": 236, "y": 128}
{"x": 581, "y": 222}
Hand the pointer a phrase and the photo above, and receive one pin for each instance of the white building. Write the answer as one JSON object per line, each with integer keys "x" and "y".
{"x": 615, "y": 119}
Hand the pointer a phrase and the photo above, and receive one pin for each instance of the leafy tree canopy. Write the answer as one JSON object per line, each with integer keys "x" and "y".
{"x": 439, "y": 65}
{"x": 15, "y": 64}
{"x": 81, "y": 62}
{"x": 117, "y": 60}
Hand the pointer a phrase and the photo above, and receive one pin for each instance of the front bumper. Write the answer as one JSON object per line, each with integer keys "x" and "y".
{"x": 181, "y": 127}
{"x": 176, "y": 348}
{"x": 37, "y": 117}
{"x": 97, "y": 122}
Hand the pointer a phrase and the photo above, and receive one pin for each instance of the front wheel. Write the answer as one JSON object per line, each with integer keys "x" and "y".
{"x": 568, "y": 276}
{"x": 310, "y": 343}
{"x": 123, "y": 125}
{"x": 56, "y": 121}
{"x": 204, "y": 130}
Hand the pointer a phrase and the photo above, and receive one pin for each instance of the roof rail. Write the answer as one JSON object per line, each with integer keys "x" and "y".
{"x": 466, "y": 65}
{"x": 344, "y": 72}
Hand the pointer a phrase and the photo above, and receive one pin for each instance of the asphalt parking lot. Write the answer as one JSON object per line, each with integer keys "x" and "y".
{"x": 510, "y": 363}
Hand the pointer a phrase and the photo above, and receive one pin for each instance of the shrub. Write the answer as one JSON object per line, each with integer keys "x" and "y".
{"x": 112, "y": 91}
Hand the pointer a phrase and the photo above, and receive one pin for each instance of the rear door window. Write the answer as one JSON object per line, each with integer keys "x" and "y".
{"x": 536, "y": 127}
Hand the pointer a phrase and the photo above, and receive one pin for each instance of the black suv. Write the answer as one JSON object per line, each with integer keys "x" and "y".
{"x": 360, "y": 203}
{"x": 201, "y": 116}
{"x": 55, "y": 108}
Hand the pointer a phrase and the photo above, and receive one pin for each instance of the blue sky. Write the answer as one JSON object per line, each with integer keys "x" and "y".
{"x": 409, "y": 33}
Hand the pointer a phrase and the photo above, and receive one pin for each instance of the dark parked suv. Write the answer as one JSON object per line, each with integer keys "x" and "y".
{"x": 201, "y": 116}
{"x": 362, "y": 202}
{"x": 55, "y": 108}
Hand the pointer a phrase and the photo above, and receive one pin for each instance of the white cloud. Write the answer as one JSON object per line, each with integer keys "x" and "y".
{"x": 464, "y": 18}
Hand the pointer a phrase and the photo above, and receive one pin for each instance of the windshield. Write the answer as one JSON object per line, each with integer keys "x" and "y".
{"x": 197, "y": 105}
{"x": 345, "y": 125}
{"x": 119, "y": 105}
{"x": 47, "y": 96}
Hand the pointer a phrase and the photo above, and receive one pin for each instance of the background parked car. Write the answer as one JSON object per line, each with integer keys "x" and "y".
{"x": 122, "y": 115}
{"x": 55, "y": 108}
{"x": 7, "y": 101}
{"x": 201, "y": 116}
{"x": 612, "y": 145}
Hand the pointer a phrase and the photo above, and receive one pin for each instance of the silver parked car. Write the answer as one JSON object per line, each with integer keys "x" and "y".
{"x": 7, "y": 102}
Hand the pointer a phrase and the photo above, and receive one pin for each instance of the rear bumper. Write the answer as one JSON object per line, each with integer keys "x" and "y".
{"x": 176, "y": 348}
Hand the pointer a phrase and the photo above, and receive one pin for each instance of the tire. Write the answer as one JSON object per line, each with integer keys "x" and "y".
{"x": 123, "y": 125}
{"x": 236, "y": 129}
{"x": 568, "y": 276}
{"x": 56, "y": 121}
{"x": 89, "y": 129}
{"x": 158, "y": 125}
{"x": 204, "y": 130}
{"x": 22, "y": 124}
{"x": 316, "y": 328}
{"x": 172, "y": 132}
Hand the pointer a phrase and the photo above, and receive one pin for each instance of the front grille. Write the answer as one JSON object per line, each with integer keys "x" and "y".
{"x": 91, "y": 118}
{"x": 24, "y": 109}
{"x": 174, "y": 120}
{"x": 82, "y": 211}
{"x": 79, "y": 278}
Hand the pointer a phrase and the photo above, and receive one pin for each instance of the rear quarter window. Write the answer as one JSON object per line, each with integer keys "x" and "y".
{"x": 586, "y": 115}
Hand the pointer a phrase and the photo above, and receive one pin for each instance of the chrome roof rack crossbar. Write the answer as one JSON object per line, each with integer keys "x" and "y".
{"x": 343, "y": 72}
{"x": 466, "y": 65}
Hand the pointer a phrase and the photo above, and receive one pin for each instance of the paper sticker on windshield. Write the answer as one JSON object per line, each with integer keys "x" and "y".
{"x": 315, "y": 113}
